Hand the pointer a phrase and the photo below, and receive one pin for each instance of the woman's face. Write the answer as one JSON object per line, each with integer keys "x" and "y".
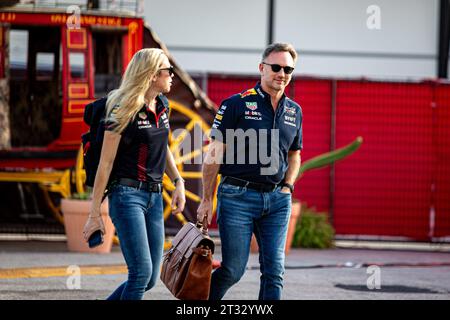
{"x": 164, "y": 77}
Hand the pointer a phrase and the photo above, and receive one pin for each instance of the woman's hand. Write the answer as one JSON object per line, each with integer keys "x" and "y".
{"x": 93, "y": 223}
{"x": 111, "y": 142}
{"x": 178, "y": 198}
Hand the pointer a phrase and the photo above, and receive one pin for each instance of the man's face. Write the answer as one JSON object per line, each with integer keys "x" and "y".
{"x": 276, "y": 81}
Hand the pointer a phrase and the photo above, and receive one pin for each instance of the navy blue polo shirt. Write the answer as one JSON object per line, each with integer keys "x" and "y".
{"x": 248, "y": 124}
{"x": 143, "y": 147}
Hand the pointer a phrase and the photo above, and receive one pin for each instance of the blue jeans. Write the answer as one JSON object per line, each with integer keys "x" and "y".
{"x": 241, "y": 212}
{"x": 138, "y": 218}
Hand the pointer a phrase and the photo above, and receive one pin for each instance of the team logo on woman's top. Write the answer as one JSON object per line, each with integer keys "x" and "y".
{"x": 142, "y": 115}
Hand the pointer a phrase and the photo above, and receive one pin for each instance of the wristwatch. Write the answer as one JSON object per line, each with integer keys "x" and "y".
{"x": 288, "y": 185}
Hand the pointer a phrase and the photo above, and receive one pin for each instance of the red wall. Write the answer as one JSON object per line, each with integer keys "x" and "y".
{"x": 441, "y": 168}
{"x": 385, "y": 187}
{"x": 390, "y": 186}
{"x": 314, "y": 96}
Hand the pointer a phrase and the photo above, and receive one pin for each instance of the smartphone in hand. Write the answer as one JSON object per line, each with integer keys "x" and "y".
{"x": 95, "y": 239}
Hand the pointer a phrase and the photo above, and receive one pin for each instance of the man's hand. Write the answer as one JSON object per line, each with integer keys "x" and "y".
{"x": 178, "y": 198}
{"x": 294, "y": 161}
{"x": 211, "y": 166}
{"x": 205, "y": 209}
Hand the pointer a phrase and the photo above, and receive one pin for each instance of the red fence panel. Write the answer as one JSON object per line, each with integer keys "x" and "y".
{"x": 442, "y": 168}
{"x": 385, "y": 187}
{"x": 220, "y": 88}
{"x": 398, "y": 183}
{"x": 314, "y": 96}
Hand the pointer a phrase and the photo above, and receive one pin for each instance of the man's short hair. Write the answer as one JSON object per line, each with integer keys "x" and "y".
{"x": 280, "y": 47}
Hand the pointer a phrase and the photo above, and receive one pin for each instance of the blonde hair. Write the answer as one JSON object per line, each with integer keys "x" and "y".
{"x": 135, "y": 82}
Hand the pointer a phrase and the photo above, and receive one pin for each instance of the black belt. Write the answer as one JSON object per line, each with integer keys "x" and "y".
{"x": 142, "y": 185}
{"x": 261, "y": 187}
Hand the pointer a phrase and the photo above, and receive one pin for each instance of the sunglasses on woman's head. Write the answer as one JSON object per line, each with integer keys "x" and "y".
{"x": 276, "y": 68}
{"x": 170, "y": 69}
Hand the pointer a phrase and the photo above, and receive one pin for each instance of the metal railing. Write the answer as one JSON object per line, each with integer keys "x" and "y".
{"x": 134, "y": 6}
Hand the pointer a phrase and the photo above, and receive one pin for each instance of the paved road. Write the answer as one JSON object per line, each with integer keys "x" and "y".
{"x": 38, "y": 270}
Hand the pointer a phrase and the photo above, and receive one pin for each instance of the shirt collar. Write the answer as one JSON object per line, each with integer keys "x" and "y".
{"x": 265, "y": 95}
{"x": 159, "y": 105}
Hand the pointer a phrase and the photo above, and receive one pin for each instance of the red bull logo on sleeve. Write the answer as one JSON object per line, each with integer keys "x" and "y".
{"x": 249, "y": 92}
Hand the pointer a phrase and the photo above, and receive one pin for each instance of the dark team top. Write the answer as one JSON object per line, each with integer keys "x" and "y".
{"x": 252, "y": 112}
{"x": 143, "y": 147}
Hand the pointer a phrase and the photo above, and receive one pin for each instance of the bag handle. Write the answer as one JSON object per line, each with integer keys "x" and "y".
{"x": 203, "y": 226}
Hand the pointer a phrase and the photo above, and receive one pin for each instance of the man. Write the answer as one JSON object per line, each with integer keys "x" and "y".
{"x": 254, "y": 195}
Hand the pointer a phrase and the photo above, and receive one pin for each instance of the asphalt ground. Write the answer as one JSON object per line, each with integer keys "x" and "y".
{"x": 38, "y": 270}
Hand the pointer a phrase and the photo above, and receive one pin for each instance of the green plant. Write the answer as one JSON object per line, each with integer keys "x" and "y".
{"x": 325, "y": 159}
{"x": 313, "y": 229}
{"x": 85, "y": 195}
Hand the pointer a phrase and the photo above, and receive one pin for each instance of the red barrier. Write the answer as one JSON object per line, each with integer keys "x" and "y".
{"x": 220, "y": 88}
{"x": 441, "y": 144}
{"x": 398, "y": 182}
{"x": 385, "y": 187}
{"x": 314, "y": 96}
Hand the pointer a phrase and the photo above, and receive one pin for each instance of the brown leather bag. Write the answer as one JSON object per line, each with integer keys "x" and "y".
{"x": 187, "y": 266}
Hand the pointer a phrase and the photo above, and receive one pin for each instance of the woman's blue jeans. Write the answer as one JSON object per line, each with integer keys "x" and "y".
{"x": 241, "y": 212}
{"x": 138, "y": 218}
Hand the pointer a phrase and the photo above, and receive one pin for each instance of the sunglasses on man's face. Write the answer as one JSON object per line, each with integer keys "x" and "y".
{"x": 170, "y": 69}
{"x": 276, "y": 68}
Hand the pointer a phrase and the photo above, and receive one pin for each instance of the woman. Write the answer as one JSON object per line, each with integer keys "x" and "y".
{"x": 134, "y": 156}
